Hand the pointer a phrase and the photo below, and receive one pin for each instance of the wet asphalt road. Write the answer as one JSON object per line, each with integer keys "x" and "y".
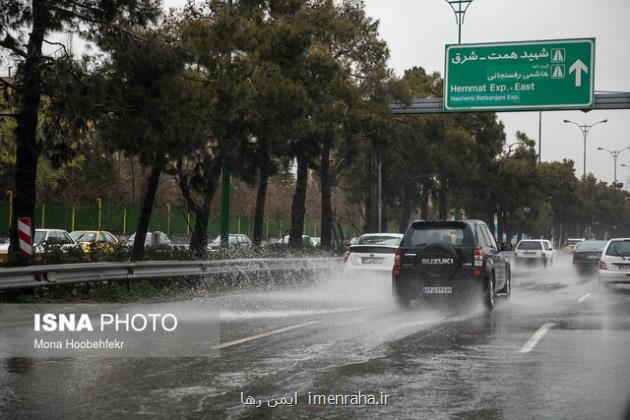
{"x": 344, "y": 335}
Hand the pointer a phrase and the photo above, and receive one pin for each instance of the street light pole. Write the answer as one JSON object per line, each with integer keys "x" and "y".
{"x": 585, "y": 129}
{"x": 459, "y": 8}
{"x": 623, "y": 165}
{"x": 615, "y": 154}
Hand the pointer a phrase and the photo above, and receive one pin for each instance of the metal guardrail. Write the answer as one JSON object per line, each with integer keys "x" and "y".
{"x": 49, "y": 275}
{"x": 608, "y": 100}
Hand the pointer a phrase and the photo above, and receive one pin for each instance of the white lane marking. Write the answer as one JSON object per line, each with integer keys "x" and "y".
{"x": 236, "y": 315}
{"x": 583, "y": 298}
{"x": 267, "y": 334}
{"x": 535, "y": 338}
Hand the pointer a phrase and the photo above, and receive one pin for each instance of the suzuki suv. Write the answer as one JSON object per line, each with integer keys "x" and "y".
{"x": 458, "y": 259}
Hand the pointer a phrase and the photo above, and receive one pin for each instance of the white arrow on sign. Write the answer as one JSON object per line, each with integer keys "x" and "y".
{"x": 578, "y": 67}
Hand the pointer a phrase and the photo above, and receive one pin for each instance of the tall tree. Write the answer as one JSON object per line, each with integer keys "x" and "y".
{"x": 24, "y": 28}
{"x": 153, "y": 110}
{"x": 220, "y": 38}
{"x": 279, "y": 101}
{"x": 350, "y": 43}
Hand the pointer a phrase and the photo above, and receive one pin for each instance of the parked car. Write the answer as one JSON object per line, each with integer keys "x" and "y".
{"x": 587, "y": 254}
{"x": 45, "y": 239}
{"x": 534, "y": 251}
{"x": 156, "y": 238}
{"x": 569, "y": 246}
{"x": 316, "y": 240}
{"x": 90, "y": 240}
{"x": 235, "y": 240}
{"x": 373, "y": 252}
{"x": 453, "y": 259}
{"x": 614, "y": 264}
{"x": 305, "y": 238}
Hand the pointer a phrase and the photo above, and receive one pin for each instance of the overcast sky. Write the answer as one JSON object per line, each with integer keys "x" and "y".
{"x": 417, "y": 30}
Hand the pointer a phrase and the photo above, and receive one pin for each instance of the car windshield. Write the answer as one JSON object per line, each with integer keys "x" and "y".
{"x": 619, "y": 249}
{"x": 84, "y": 236}
{"x": 231, "y": 239}
{"x": 39, "y": 237}
{"x": 147, "y": 241}
{"x": 379, "y": 240}
{"x": 590, "y": 246}
{"x": 529, "y": 245}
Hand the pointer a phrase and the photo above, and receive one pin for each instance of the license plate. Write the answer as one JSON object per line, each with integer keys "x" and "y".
{"x": 529, "y": 253}
{"x": 593, "y": 257}
{"x": 624, "y": 267}
{"x": 436, "y": 290}
{"x": 371, "y": 260}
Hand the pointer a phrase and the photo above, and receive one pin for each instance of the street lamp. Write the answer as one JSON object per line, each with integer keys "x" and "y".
{"x": 585, "y": 129}
{"x": 615, "y": 154}
{"x": 459, "y": 8}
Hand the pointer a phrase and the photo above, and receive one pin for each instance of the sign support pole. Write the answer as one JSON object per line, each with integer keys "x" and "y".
{"x": 539, "y": 136}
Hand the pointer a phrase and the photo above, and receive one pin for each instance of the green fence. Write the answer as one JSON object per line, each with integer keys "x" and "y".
{"x": 123, "y": 220}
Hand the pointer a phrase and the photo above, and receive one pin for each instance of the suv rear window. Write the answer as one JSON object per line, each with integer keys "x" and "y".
{"x": 425, "y": 233}
{"x": 619, "y": 249}
{"x": 528, "y": 245}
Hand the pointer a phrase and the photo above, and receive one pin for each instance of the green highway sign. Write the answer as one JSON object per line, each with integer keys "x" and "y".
{"x": 532, "y": 75}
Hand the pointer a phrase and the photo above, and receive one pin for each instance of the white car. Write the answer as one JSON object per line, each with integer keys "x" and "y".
{"x": 46, "y": 238}
{"x": 614, "y": 264}
{"x": 156, "y": 238}
{"x": 235, "y": 240}
{"x": 305, "y": 238}
{"x": 534, "y": 250}
{"x": 373, "y": 252}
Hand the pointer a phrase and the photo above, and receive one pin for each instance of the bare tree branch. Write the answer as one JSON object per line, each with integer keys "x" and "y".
{"x": 11, "y": 46}
{"x": 63, "y": 47}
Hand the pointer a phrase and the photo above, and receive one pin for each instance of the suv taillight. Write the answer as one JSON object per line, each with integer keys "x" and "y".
{"x": 345, "y": 256}
{"x": 603, "y": 265}
{"x": 477, "y": 257}
{"x": 397, "y": 262}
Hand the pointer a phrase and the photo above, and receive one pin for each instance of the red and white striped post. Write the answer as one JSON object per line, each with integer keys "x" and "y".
{"x": 26, "y": 239}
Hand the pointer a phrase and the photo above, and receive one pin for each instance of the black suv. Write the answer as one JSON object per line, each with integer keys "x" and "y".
{"x": 460, "y": 259}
